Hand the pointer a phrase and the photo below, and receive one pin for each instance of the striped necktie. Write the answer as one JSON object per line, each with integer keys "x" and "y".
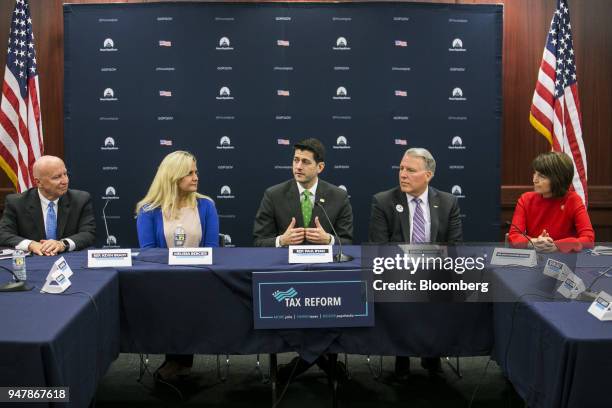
{"x": 418, "y": 223}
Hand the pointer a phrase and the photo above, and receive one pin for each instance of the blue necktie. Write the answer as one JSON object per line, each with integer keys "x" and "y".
{"x": 418, "y": 223}
{"x": 51, "y": 221}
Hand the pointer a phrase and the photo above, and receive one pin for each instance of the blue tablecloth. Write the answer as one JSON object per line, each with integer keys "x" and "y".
{"x": 181, "y": 309}
{"x": 60, "y": 340}
{"x": 554, "y": 352}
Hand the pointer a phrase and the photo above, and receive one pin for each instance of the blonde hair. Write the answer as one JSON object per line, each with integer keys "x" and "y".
{"x": 164, "y": 190}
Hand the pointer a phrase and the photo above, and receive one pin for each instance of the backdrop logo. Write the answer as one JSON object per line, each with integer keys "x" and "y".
{"x": 401, "y": 43}
{"x": 457, "y": 191}
{"x": 111, "y": 241}
{"x": 108, "y": 95}
{"x": 165, "y": 93}
{"x": 282, "y": 43}
{"x": 224, "y": 94}
{"x": 108, "y": 45}
{"x": 401, "y": 93}
{"x": 282, "y": 92}
{"x": 164, "y": 43}
{"x": 280, "y": 295}
{"x": 401, "y": 142}
{"x": 457, "y": 95}
{"x": 343, "y": 187}
{"x": 165, "y": 142}
{"x": 341, "y": 94}
{"x": 456, "y": 144}
{"x": 283, "y": 142}
{"x": 224, "y": 44}
{"x": 109, "y": 144}
{"x": 341, "y": 143}
{"x": 341, "y": 44}
{"x": 110, "y": 193}
{"x": 283, "y": 18}
{"x": 225, "y": 143}
{"x": 225, "y": 193}
{"x": 457, "y": 46}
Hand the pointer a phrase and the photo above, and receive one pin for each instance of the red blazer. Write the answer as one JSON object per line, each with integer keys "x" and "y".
{"x": 565, "y": 219}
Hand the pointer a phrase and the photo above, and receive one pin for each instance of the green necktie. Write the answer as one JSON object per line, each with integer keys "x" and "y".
{"x": 306, "y": 208}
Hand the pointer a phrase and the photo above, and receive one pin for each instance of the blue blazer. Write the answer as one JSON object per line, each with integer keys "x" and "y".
{"x": 150, "y": 226}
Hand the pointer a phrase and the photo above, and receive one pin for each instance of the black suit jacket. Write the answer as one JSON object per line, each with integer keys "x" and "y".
{"x": 387, "y": 224}
{"x": 23, "y": 218}
{"x": 282, "y": 201}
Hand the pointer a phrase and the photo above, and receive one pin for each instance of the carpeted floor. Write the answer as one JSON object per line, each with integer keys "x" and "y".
{"x": 246, "y": 386}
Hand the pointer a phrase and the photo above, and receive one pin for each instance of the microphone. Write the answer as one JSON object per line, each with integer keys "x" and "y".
{"x": 339, "y": 257}
{"x": 17, "y": 286}
{"x": 105, "y": 223}
{"x": 509, "y": 223}
{"x": 588, "y": 291}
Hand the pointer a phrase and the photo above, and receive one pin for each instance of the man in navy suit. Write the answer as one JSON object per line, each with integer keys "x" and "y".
{"x": 415, "y": 213}
{"x": 50, "y": 218}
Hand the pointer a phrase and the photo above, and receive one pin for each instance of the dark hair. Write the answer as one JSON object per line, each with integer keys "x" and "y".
{"x": 312, "y": 145}
{"x": 559, "y": 168}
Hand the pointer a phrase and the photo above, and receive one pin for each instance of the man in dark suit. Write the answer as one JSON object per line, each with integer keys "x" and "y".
{"x": 290, "y": 213}
{"x": 50, "y": 218}
{"x": 415, "y": 213}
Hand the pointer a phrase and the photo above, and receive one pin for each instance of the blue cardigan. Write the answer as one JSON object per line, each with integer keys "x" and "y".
{"x": 150, "y": 226}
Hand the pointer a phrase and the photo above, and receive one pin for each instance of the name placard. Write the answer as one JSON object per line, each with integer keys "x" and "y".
{"x": 514, "y": 257}
{"x": 58, "y": 277}
{"x": 105, "y": 258}
{"x": 190, "y": 256}
{"x": 310, "y": 254}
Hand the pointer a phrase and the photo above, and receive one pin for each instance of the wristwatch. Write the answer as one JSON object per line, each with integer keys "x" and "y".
{"x": 66, "y": 244}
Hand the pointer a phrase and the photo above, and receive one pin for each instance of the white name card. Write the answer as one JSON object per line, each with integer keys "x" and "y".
{"x": 556, "y": 269}
{"x": 514, "y": 257}
{"x": 572, "y": 286}
{"x": 601, "y": 307}
{"x": 58, "y": 277}
{"x": 105, "y": 258}
{"x": 190, "y": 256}
{"x": 310, "y": 254}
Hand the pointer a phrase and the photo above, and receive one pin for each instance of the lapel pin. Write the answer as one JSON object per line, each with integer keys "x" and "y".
{"x": 399, "y": 208}
{"x": 435, "y": 206}
{"x": 322, "y": 200}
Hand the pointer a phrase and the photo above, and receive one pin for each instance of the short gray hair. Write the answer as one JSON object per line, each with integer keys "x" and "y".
{"x": 430, "y": 162}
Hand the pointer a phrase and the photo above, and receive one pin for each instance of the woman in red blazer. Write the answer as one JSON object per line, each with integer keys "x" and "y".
{"x": 554, "y": 218}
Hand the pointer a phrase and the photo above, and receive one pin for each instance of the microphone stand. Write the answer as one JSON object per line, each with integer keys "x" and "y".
{"x": 17, "y": 286}
{"x": 340, "y": 256}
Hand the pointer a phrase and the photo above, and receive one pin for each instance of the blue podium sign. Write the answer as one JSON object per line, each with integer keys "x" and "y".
{"x": 311, "y": 299}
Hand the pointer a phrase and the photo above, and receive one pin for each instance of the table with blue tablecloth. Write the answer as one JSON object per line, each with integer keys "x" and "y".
{"x": 554, "y": 352}
{"x": 207, "y": 309}
{"x": 60, "y": 340}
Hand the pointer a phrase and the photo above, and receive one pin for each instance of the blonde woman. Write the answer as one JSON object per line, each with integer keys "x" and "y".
{"x": 174, "y": 214}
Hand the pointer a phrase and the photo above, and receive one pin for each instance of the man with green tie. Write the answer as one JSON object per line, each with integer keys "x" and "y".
{"x": 290, "y": 213}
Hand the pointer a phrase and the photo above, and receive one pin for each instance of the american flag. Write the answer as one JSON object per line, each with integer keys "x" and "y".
{"x": 555, "y": 109}
{"x": 21, "y": 133}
